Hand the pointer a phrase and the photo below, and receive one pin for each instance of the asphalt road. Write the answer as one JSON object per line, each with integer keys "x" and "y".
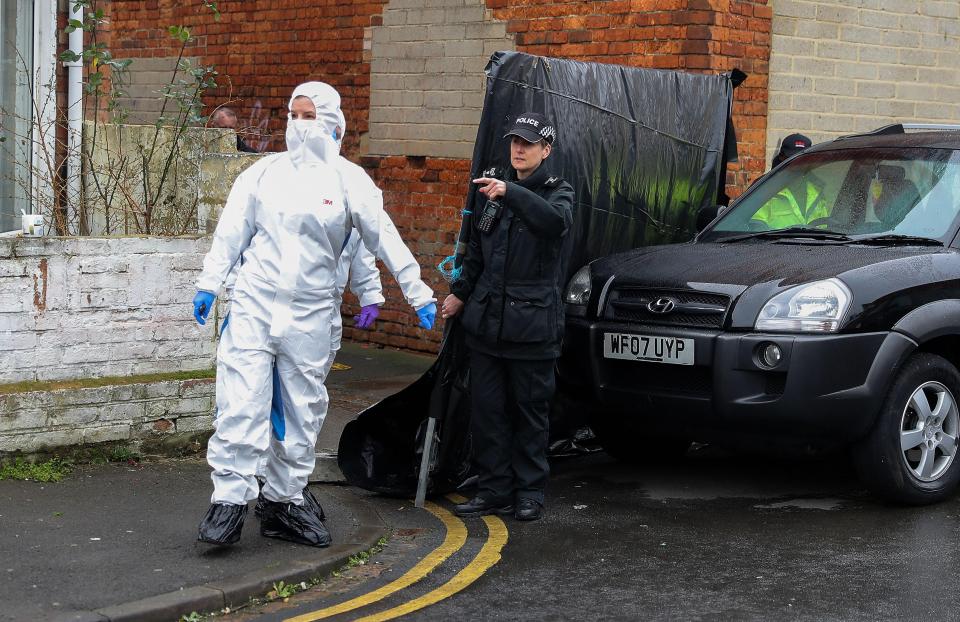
{"x": 713, "y": 537}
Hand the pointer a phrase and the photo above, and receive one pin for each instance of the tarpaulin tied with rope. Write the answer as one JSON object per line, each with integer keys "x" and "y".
{"x": 645, "y": 151}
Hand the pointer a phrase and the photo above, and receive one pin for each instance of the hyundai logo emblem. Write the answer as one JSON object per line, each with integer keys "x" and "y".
{"x": 662, "y": 305}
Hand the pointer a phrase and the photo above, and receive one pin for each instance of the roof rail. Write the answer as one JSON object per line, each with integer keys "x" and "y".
{"x": 901, "y": 128}
{"x": 896, "y": 128}
{"x": 931, "y": 126}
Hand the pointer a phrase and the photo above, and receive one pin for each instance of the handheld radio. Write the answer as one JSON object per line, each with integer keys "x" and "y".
{"x": 490, "y": 216}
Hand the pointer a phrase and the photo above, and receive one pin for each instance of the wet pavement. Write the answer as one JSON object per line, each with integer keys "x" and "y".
{"x": 116, "y": 533}
{"x": 713, "y": 537}
{"x": 373, "y": 373}
{"x": 719, "y": 537}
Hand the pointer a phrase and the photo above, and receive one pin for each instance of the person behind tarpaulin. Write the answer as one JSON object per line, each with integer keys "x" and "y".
{"x": 288, "y": 216}
{"x": 799, "y": 203}
{"x": 226, "y": 118}
{"x": 510, "y": 296}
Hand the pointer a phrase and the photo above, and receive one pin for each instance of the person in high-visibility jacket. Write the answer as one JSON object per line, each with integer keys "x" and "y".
{"x": 798, "y": 204}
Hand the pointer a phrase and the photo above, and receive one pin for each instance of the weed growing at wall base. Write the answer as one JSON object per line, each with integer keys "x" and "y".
{"x": 52, "y": 470}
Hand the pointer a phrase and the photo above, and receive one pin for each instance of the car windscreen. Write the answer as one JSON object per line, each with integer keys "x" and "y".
{"x": 856, "y": 192}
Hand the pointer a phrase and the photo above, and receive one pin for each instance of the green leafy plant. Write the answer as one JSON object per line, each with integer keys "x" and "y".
{"x": 283, "y": 590}
{"x": 52, "y": 470}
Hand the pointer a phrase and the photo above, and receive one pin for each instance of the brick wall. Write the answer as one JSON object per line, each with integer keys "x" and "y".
{"x": 94, "y": 307}
{"x": 689, "y": 35}
{"x": 426, "y": 76}
{"x": 262, "y": 49}
{"x": 143, "y": 99}
{"x": 840, "y": 67}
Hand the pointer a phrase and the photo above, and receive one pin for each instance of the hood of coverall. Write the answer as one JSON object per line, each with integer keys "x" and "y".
{"x": 313, "y": 140}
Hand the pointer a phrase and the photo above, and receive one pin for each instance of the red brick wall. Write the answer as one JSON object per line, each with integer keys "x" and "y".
{"x": 424, "y": 196}
{"x": 263, "y": 48}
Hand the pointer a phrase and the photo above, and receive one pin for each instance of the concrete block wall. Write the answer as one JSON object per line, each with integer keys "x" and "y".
{"x": 94, "y": 307}
{"x": 113, "y": 176}
{"x": 141, "y": 412}
{"x": 218, "y": 171}
{"x": 144, "y": 91}
{"x": 426, "y": 76}
{"x": 838, "y": 67}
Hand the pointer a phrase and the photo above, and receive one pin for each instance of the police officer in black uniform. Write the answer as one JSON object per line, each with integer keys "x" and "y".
{"x": 509, "y": 294}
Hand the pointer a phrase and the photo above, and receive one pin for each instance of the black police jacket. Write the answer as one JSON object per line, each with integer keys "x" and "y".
{"x": 511, "y": 281}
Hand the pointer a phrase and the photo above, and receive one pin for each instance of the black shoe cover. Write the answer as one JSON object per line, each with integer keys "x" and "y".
{"x": 258, "y": 508}
{"x": 296, "y": 523}
{"x": 309, "y": 502}
{"x": 222, "y": 524}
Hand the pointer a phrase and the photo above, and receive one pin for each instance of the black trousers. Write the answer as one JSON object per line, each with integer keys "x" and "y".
{"x": 509, "y": 422}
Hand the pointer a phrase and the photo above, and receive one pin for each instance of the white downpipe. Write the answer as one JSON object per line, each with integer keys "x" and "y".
{"x": 74, "y": 122}
{"x": 45, "y": 102}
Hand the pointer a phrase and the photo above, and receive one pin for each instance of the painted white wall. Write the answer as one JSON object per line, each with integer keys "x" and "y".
{"x": 94, "y": 307}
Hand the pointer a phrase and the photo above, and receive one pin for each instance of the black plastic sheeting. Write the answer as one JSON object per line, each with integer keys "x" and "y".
{"x": 381, "y": 449}
{"x": 644, "y": 149}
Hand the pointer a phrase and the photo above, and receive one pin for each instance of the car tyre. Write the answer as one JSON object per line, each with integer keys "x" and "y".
{"x": 627, "y": 441}
{"x": 910, "y": 456}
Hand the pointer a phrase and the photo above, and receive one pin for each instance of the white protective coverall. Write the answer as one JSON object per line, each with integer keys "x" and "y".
{"x": 288, "y": 216}
{"x": 358, "y": 267}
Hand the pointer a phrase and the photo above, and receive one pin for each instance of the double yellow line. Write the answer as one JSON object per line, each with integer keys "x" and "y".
{"x": 453, "y": 541}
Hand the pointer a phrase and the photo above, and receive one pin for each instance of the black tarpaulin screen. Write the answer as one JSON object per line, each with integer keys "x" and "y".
{"x": 644, "y": 150}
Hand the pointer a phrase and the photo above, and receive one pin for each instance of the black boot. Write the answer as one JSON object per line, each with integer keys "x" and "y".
{"x": 479, "y": 506}
{"x": 222, "y": 524}
{"x": 296, "y": 523}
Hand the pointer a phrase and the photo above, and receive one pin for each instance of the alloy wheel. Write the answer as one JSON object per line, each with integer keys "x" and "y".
{"x": 929, "y": 431}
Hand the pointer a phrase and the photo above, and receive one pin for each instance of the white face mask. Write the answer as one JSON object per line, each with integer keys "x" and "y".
{"x": 308, "y": 141}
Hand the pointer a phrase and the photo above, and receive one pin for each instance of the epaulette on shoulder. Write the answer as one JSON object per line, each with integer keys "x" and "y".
{"x": 553, "y": 181}
{"x": 494, "y": 172}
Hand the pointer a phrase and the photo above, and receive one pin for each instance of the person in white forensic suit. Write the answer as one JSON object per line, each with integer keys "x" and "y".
{"x": 288, "y": 217}
{"x": 358, "y": 268}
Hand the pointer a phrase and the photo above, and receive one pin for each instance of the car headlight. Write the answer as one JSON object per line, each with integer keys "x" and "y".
{"x": 578, "y": 289}
{"x": 816, "y": 307}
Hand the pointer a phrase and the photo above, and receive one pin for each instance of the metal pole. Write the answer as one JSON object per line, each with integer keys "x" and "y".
{"x": 425, "y": 463}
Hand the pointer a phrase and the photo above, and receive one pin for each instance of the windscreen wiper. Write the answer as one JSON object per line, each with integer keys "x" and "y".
{"x": 790, "y": 232}
{"x": 898, "y": 239}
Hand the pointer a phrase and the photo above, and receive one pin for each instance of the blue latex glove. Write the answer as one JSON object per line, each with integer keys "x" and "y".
{"x": 427, "y": 314}
{"x": 368, "y": 315}
{"x": 202, "y": 303}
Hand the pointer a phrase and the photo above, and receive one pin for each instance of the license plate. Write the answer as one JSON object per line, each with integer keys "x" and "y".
{"x": 628, "y": 347}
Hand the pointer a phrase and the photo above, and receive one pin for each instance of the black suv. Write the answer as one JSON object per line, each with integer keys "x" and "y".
{"x": 821, "y": 310}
